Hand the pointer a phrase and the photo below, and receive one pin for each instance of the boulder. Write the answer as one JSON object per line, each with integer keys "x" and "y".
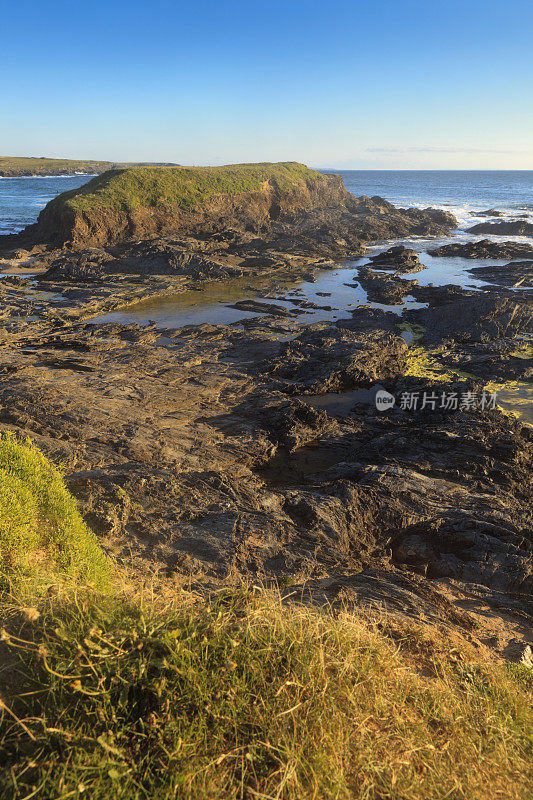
{"x": 398, "y": 258}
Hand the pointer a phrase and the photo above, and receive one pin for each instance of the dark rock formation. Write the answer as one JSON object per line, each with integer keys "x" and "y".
{"x": 399, "y": 258}
{"x": 485, "y": 248}
{"x": 517, "y": 273}
{"x": 480, "y": 317}
{"x": 491, "y": 212}
{"x": 507, "y": 228}
{"x": 292, "y": 208}
{"x": 264, "y": 308}
{"x": 334, "y": 360}
{"x": 384, "y": 289}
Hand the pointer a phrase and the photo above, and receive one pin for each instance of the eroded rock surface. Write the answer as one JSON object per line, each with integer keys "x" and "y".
{"x": 504, "y": 228}
{"x": 205, "y": 453}
{"x": 517, "y": 273}
{"x": 399, "y": 259}
{"x": 485, "y": 248}
{"x": 194, "y": 452}
{"x": 385, "y": 289}
{"x": 491, "y": 212}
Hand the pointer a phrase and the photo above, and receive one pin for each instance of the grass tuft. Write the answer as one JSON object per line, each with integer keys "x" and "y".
{"x": 42, "y": 535}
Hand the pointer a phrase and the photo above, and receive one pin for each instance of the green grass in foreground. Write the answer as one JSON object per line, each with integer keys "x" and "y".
{"x": 235, "y": 696}
{"x": 181, "y": 187}
{"x": 42, "y": 534}
{"x": 241, "y": 698}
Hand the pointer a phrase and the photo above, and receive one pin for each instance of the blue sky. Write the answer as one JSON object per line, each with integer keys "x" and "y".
{"x": 377, "y": 85}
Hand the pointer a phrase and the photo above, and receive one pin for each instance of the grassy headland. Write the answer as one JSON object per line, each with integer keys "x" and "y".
{"x": 140, "y": 202}
{"x": 20, "y": 167}
{"x": 234, "y": 695}
{"x": 181, "y": 187}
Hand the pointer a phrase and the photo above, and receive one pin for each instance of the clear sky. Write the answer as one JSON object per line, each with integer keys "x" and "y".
{"x": 363, "y": 84}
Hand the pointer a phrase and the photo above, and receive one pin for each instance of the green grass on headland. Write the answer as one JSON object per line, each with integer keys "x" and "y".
{"x": 180, "y": 187}
{"x": 41, "y": 531}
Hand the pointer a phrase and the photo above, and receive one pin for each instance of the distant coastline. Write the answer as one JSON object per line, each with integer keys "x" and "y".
{"x": 46, "y": 175}
{"x": 21, "y": 167}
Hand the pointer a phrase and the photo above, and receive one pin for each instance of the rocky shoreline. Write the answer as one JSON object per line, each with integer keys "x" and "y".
{"x": 210, "y": 453}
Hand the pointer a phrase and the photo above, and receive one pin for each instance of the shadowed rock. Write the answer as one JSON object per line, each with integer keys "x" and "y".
{"x": 507, "y": 228}
{"x": 485, "y": 248}
{"x": 399, "y": 258}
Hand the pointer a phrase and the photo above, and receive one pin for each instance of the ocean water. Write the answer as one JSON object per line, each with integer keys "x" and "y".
{"x": 21, "y": 199}
{"x": 463, "y": 192}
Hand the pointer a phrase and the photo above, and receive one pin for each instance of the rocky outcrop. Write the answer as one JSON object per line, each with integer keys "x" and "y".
{"x": 517, "y": 273}
{"x": 376, "y": 219}
{"x": 140, "y": 203}
{"x": 399, "y": 258}
{"x": 335, "y": 360}
{"x": 485, "y": 248}
{"x": 264, "y": 308}
{"x": 480, "y": 317}
{"x": 385, "y": 289}
{"x": 286, "y": 206}
{"x": 491, "y": 212}
{"x": 504, "y": 228}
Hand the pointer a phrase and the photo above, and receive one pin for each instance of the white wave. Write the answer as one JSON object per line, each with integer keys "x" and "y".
{"x": 468, "y": 215}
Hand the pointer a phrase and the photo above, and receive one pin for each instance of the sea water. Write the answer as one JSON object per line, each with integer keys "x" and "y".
{"x": 21, "y": 199}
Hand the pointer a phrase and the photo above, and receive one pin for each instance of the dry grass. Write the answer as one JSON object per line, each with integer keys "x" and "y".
{"x": 232, "y": 697}
{"x": 240, "y": 697}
